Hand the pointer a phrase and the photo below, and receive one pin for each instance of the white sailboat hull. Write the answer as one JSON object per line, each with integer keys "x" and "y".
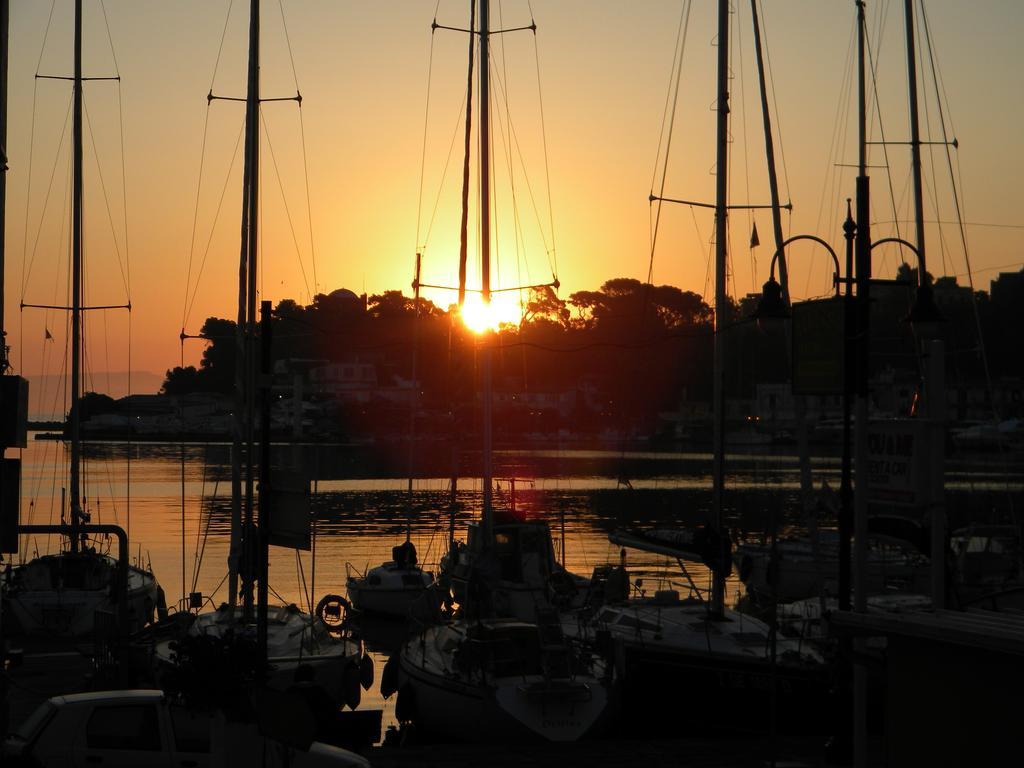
{"x": 450, "y": 699}
{"x": 388, "y": 590}
{"x": 42, "y": 603}
{"x": 294, "y": 639}
{"x": 505, "y": 710}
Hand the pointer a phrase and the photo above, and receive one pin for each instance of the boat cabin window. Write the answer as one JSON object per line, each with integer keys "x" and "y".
{"x": 519, "y": 545}
{"x": 129, "y": 727}
{"x": 510, "y": 562}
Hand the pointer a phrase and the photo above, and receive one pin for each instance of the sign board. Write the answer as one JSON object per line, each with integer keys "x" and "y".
{"x": 289, "y": 515}
{"x": 898, "y": 461}
{"x": 13, "y": 412}
{"x": 10, "y": 504}
{"x": 818, "y": 347}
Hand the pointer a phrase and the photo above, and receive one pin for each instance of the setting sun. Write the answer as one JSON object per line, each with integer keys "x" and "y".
{"x": 479, "y": 317}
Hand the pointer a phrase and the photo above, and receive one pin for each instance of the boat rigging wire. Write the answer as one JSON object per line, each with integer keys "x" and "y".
{"x": 420, "y": 246}
{"x": 954, "y": 179}
{"x": 514, "y": 139}
{"x": 106, "y": 199}
{"x": 284, "y": 201}
{"x": 673, "y": 90}
{"x": 305, "y": 154}
{"x": 186, "y": 307}
{"x": 28, "y": 262}
{"x": 877, "y": 106}
{"x": 775, "y": 102}
{"x": 190, "y": 302}
{"x": 829, "y": 197}
{"x": 26, "y": 271}
{"x": 505, "y": 130}
{"x": 751, "y": 222}
{"x": 553, "y": 258}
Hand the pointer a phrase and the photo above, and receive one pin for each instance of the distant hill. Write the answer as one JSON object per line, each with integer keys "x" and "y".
{"x": 46, "y": 394}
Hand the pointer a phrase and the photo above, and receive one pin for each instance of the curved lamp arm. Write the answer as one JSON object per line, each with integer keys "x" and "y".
{"x": 819, "y": 241}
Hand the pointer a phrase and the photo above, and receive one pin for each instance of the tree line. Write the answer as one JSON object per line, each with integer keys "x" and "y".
{"x": 635, "y": 349}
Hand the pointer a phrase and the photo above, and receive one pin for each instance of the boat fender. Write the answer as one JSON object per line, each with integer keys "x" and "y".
{"x": 405, "y": 705}
{"x": 332, "y": 611}
{"x": 366, "y": 672}
{"x": 746, "y": 568}
{"x": 350, "y": 685}
{"x": 389, "y": 677}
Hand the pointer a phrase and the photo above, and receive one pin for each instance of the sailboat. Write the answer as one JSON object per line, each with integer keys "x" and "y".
{"x": 61, "y": 595}
{"x": 391, "y": 589}
{"x": 488, "y": 675}
{"x": 293, "y": 637}
{"x": 665, "y": 643}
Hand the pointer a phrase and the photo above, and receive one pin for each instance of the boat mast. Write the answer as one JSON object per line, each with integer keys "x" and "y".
{"x": 487, "y": 520}
{"x": 464, "y": 228}
{"x": 241, "y": 557}
{"x": 915, "y": 142}
{"x": 252, "y": 126}
{"x": 862, "y": 312}
{"x": 769, "y": 150}
{"x": 5, "y": 15}
{"x": 799, "y": 400}
{"x": 721, "y": 299}
{"x": 414, "y": 394}
{"x": 76, "y": 284}
{"x": 933, "y": 350}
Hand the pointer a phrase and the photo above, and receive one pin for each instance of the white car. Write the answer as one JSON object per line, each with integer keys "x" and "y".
{"x": 128, "y": 729}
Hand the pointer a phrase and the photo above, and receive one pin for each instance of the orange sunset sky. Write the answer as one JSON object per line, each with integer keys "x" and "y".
{"x": 362, "y": 68}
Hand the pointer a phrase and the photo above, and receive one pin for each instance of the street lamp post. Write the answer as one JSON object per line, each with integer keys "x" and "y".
{"x": 924, "y": 316}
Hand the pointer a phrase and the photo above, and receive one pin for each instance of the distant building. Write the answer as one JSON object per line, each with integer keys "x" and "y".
{"x": 353, "y": 379}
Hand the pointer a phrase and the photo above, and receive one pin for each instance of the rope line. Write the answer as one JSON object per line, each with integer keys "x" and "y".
{"x": 746, "y": 149}
{"x": 936, "y": 78}
{"x": 553, "y": 257}
{"x": 220, "y": 48}
{"x": 106, "y": 198}
{"x": 677, "y": 64}
{"x": 284, "y": 201}
{"x": 426, "y": 118}
{"x": 27, "y": 271}
{"x": 444, "y": 173}
{"x": 195, "y": 216}
{"x": 305, "y": 153}
{"x": 514, "y": 139}
{"x": 213, "y": 227}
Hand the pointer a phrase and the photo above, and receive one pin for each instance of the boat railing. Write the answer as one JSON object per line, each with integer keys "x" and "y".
{"x": 351, "y": 569}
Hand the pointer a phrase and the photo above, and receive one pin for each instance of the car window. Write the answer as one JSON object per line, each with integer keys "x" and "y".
{"x": 191, "y": 730}
{"x": 129, "y": 727}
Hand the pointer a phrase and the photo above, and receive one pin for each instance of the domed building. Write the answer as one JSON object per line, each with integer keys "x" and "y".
{"x": 344, "y": 299}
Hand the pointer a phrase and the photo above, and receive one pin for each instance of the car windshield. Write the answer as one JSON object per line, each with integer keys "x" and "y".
{"x": 35, "y": 722}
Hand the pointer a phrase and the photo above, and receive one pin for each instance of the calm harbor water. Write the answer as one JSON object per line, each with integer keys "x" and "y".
{"x": 178, "y": 509}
